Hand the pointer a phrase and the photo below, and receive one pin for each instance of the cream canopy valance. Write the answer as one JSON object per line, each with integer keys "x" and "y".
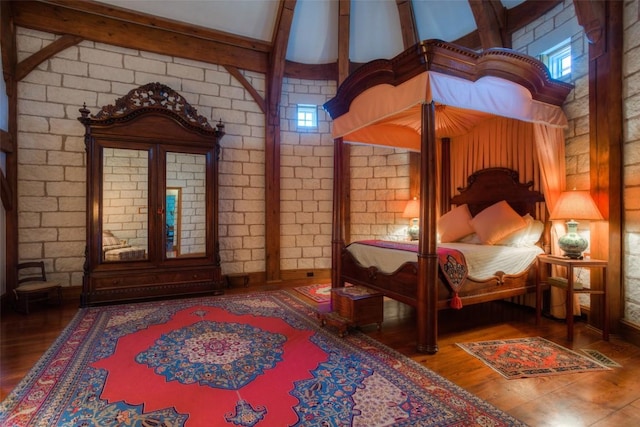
{"x": 390, "y": 115}
{"x": 381, "y": 102}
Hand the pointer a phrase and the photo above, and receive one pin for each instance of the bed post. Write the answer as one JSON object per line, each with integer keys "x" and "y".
{"x": 427, "y": 310}
{"x": 337, "y": 238}
{"x": 445, "y": 176}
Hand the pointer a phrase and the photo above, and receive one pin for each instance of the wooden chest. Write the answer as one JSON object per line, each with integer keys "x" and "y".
{"x": 354, "y": 306}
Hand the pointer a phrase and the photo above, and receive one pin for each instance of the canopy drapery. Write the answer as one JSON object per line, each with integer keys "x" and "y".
{"x": 391, "y": 116}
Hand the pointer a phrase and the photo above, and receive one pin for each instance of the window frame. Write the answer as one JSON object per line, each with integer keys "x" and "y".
{"x": 307, "y": 123}
{"x": 554, "y": 60}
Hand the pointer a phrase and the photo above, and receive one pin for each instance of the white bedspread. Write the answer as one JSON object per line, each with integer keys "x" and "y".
{"x": 483, "y": 261}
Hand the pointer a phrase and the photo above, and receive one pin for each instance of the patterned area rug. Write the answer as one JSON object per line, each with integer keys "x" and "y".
{"x": 601, "y": 358}
{"x": 530, "y": 357}
{"x": 319, "y": 292}
{"x": 238, "y": 360}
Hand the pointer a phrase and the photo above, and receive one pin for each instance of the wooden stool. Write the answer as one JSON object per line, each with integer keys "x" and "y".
{"x": 353, "y": 306}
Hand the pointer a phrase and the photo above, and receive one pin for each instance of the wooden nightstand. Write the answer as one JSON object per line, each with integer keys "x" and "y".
{"x": 544, "y": 266}
{"x": 354, "y": 306}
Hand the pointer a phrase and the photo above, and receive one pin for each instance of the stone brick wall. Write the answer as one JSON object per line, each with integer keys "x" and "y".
{"x": 306, "y": 179}
{"x": 51, "y": 154}
{"x": 631, "y": 159}
{"x": 543, "y": 34}
{"x": 242, "y": 186}
{"x": 379, "y": 193}
{"x": 530, "y": 40}
{"x": 537, "y": 37}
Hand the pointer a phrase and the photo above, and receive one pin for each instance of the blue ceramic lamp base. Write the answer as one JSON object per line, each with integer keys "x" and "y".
{"x": 572, "y": 243}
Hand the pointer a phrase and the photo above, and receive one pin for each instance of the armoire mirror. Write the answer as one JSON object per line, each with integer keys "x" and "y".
{"x": 152, "y": 198}
{"x": 125, "y": 204}
{"x": 185, "y": 225}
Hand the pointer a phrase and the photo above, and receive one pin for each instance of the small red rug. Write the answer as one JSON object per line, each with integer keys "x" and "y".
{"x": 319, "y": 292}
{"x": 530, "y": 357}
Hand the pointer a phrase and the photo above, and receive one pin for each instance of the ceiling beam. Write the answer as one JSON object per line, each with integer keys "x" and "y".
{"x": 516, "y": 18}
{"x": 408, "y": 26}
{"x": 490, "y": 18}
{"x": 154, "y": 21}
{"x": 247, "y": 85}
{"x": 8, "y": 143}
{"x": 275, "y": 77}
{"x": 344, "y": 20}
{"x": 527, "y": 12}
{"x": 110, "y": 25}
{"x": 299, "y": 70}
{"x": 27, "y": 65}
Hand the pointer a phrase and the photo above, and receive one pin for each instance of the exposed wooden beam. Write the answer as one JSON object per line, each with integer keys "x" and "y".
{"x": 603, "y": 23}
{"x": 410, "y": 37}
{"x": 91, "y": 21}
{"x": 6, "y": 142}
{"x": 27, "y": 65}
{"x": 344, "y": 19}
{"x": 275, "y": 77}
{"x": 9, "y": 180}
{"x": 516, "y": 18}
{"x": 7, "y": 43}
{"x": 527, "y": 12}
{"x": 154, "y": 21}
{"x": 344, "y": 70}
{"x": 247, "y": 85}
{"x": 6, "y": 193}
{"x": 6, "y": 190}
{"x": 489, "y": 17}
{"x": 408, "y": 26}
{"x": 470, "y": 41}
{"x": 311, "y": 71}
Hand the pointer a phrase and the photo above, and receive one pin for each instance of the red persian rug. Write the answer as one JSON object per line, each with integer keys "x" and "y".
{"x": 530, "y": 357}
{"x": 238, "y": 360}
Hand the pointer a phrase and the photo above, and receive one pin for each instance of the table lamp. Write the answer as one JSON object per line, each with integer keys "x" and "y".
{"x": 573, "y": 205}
{"x": 412, "y": 210}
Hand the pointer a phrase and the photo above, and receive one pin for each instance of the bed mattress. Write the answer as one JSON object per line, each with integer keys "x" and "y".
{"x": 483, "y": 261}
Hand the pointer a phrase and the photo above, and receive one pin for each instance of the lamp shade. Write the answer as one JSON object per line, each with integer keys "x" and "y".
{"x": 412, "y": 210}
{"x": 577, "y": 205}
{"x": 573, "y": 205}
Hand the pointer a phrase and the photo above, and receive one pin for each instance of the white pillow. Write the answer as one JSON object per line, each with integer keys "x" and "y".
{"x": 528, "y": 236}
{"x": 471, "y": 239}
{"x": 454, "y": 224}
{"x": 108, "y": 239}
{"x": 497, "y": 222}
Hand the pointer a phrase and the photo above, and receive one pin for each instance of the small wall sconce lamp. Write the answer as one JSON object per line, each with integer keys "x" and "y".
{"x": 412, "y": 210}
{"x": 573, "y": 205}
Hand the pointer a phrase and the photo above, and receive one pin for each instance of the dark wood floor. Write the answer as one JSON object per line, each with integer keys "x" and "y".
{"x": 607, "y": 398}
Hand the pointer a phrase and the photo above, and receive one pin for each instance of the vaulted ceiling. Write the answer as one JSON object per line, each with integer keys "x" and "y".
{"x": 375, "y": 25}
{"x": 309, "y": 38}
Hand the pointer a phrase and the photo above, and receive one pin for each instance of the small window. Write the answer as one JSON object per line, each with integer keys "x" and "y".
{"x": 558, "y": 59}
{"x": 307, "y": 116}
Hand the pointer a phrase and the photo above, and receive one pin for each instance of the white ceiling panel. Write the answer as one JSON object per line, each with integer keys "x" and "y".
{"x": 375, "y": 30}
{"x": 314, "y": 32}
{"x": 249, "y": 18}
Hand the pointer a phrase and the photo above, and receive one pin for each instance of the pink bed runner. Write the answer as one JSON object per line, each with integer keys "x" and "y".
{"x": 452, "y": 264}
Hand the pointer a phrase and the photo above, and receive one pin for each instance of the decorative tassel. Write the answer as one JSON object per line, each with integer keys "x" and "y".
{"x": 456, "y": 302}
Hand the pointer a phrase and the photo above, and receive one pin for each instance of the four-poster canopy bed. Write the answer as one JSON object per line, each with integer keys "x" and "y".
{"x": 425, "y": 95}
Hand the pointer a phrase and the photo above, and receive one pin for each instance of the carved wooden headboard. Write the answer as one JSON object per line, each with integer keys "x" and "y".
{"x": 488, "y": 186}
